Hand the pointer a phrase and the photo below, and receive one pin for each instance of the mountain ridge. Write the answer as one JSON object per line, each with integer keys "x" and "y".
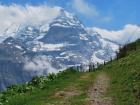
{"x": 65, "y": 42}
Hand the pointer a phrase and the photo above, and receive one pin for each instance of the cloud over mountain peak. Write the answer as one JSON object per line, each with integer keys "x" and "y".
{"x": 17, "y": 14}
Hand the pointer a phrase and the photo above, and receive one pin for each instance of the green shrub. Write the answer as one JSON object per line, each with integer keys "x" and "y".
{"x": 51, "y": 76}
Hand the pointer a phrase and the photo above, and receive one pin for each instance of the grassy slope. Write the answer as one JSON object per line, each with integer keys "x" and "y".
{"x": 124, "y": 87}
{"x": 125, "y": 79}
{"x": 67, "y": 82}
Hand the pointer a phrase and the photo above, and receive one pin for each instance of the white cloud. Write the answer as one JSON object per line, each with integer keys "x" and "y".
{"x": 85, "y": 8}
{"x": 90, "y": 11}
{"x": 17, "y": 14}
{"x": 39, "y": 64}
{"x": 129, "y": 33}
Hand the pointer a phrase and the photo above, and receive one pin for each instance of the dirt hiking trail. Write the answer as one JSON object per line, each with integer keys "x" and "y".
{"x": 98, "y": 91}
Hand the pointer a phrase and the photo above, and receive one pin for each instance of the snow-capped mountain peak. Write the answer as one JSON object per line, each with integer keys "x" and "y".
{"x": 65, "y": 42}
{"x": 66, "y": 19}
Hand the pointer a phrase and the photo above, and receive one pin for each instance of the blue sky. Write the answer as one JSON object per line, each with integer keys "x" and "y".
{"x": 108, "y": 14}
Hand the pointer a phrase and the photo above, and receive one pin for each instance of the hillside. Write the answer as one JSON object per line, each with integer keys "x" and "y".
{"x": 116, "y": 83}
